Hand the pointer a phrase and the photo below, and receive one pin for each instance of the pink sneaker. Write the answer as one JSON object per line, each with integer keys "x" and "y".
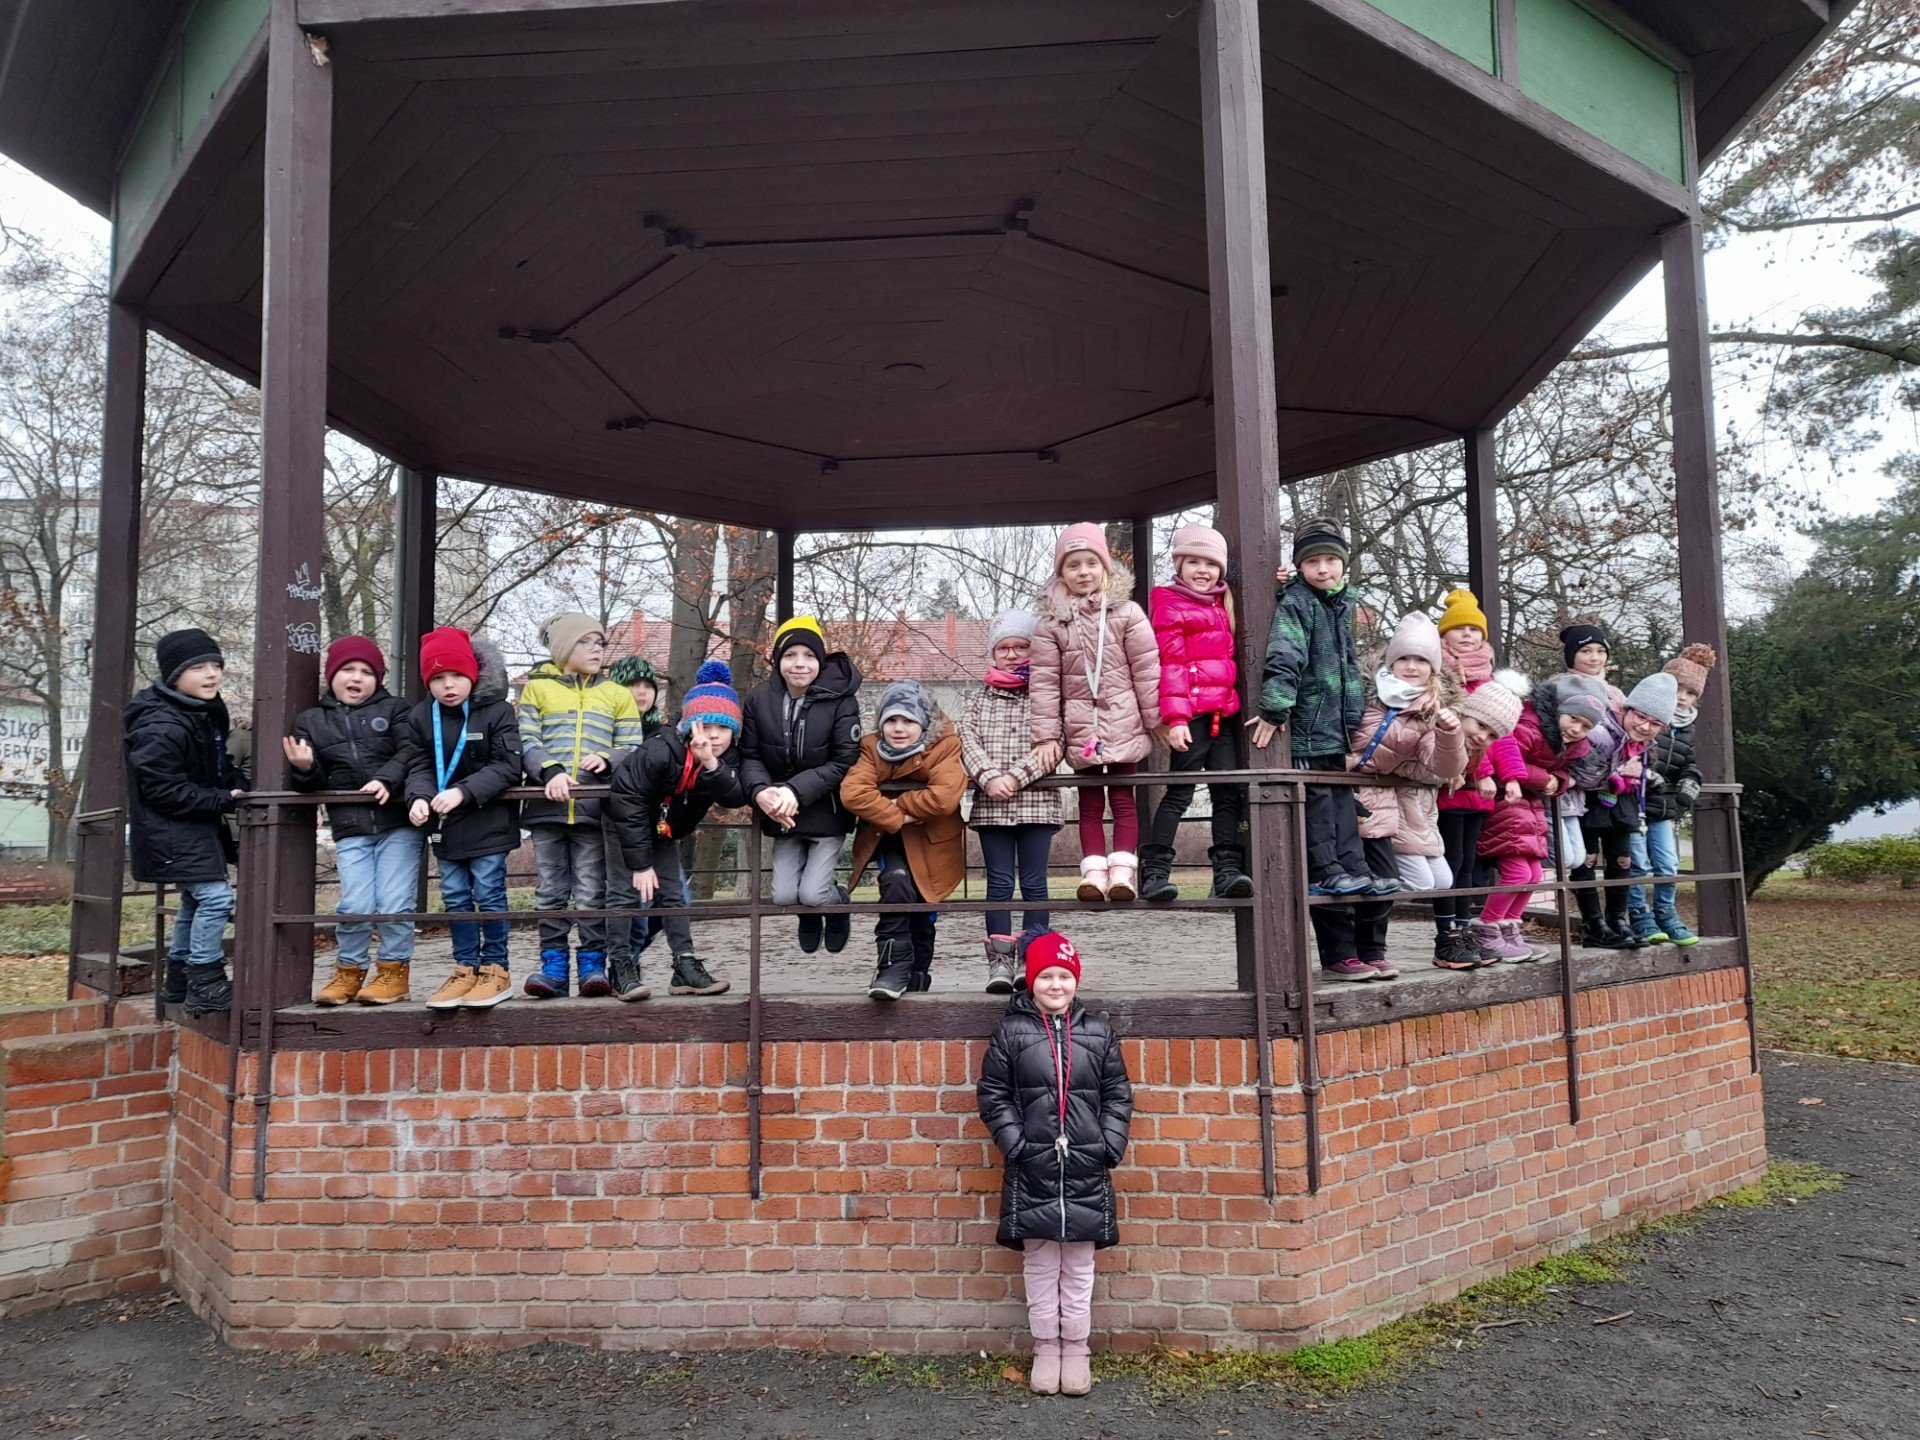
{"x": 1349, "y": 970}
{"x": 1382, "y": 969}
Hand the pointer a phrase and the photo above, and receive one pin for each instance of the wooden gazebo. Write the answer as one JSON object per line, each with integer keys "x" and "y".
{"x": 818, "y": 264}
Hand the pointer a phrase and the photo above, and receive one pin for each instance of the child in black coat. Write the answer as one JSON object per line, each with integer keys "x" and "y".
{"x": 181, "y": 782}
{"x": 1055, "y": 1096}
{"x": 459, "y": 753}
{"x": 661, "y": 792}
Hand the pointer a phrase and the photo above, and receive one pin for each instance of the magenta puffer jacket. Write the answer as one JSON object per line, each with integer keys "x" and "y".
{"x": 1198, "y": 675}
{"x": 1520, "y": 828}
{"x": 1500, "y": 762}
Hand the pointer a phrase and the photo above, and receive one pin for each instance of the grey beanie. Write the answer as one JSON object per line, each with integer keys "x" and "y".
{"x": 1015, "y": 624}
{"x": 908, "y": 698}
{"x": 1582, "y": 697}
{"x": 1656, "y": 696}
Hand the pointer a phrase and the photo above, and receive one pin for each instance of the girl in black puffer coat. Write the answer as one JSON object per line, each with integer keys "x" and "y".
{"x": 1055, "y": 1097}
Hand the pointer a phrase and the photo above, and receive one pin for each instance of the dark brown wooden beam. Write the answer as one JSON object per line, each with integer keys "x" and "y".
{"x": 293, "y": 433}
{"x": 1703, "y": 611}
{"x": 783, "y": 577}
{"x": 416, "y": 531}
{"x": 313, "y": 13}
{"x": 1245, "y": 422}
{"x": 1483, "y": 528}
{"x": 101, "y": 857}
{"x": 1218, "y": 1014}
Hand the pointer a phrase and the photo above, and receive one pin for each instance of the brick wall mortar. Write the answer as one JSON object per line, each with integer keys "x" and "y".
{"x": 598, "y": 1193}
{"x": 84, "y": 1119}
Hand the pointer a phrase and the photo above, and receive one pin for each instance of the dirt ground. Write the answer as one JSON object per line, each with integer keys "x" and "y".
{"x": 1782, "y": 1321}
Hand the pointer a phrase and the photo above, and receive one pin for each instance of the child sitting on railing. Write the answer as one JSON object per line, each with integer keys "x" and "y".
{"x": 1408, "y": 734}
{"x": 661, "y": 792}
{"x": 915, "y": 833}
{"x": 346, "y": 742}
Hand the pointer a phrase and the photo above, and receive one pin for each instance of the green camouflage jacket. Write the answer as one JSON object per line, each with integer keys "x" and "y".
{"x": 1312, "y": 675}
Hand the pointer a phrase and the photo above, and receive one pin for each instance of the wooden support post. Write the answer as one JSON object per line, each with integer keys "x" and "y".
{"x": 783, "y": 578}
{"x": 416, "y": 536}
{"x": 101, "y": 859}
{"x": 1142, "y": 561}
{"x": 1483, "y": 530}
{"x": 1702, "y": 594}
{"x": 293, "y": 434}
{"x": 1246, "y": 444}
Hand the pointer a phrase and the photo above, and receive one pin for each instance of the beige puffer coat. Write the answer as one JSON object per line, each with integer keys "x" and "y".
{"x": 1066, "y": 651}
{"x": 1415, "y": 750}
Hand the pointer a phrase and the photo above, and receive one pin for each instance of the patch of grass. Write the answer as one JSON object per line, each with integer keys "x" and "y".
{"x": 1422, "y": 1338}
{"x": 1786, "y": 1182}
{"x": 891, "y": 1370}
{"x": 1837, "y": 968}
{"x": 38, "y": 981}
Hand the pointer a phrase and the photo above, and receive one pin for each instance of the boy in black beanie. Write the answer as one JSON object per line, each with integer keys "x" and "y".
{"x": 180, "y": 782}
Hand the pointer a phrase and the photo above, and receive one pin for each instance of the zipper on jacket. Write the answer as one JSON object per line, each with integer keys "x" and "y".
{"x": 1060, "y": 1141}
{"x": 579, "y": 735}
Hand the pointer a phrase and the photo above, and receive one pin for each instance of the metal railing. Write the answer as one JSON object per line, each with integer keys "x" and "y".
{"x": 258, "y": 914}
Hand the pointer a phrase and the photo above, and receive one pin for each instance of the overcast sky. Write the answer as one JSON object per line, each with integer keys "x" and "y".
{"x": 1763, "y": 282}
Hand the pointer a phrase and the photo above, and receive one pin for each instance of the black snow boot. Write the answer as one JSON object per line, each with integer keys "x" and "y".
{"x": 209, "y": 991}
{"x": 173, "y": 984}
{"x": 1230, "y": 878}
{"x": 1156, "y": 871}
{"x": 892, "y": 970}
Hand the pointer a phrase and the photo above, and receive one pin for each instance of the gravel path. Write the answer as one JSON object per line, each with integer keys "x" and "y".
{"x": 1777, "y": 1322}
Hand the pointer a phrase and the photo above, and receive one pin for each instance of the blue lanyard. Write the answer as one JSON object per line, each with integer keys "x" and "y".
{"x": 443, "y": 773}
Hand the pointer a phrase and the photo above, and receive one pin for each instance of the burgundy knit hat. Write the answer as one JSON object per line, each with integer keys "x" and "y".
{"x": 448, "y": 649}
{"x": 355, "y": 647}
{"x": 1050, "y": 948}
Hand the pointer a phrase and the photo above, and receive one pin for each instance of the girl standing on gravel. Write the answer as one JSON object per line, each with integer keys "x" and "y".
{"x": 1055, "y": 1097}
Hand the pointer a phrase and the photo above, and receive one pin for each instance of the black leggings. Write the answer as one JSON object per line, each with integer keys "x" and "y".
{"x": 1460, "y": 834}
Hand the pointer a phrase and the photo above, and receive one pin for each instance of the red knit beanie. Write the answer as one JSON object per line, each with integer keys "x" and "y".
{"x": 448, "y": 649}
{"x": 355, "y": 647}
{"x": 1047, "y": 949}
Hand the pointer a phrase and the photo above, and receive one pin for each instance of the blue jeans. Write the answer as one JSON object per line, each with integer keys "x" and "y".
{"x": 205, "y": 907}
{"x": 462, "y": 884}
{"x": 1638, "y": 864}
{"x": 1662, "y": 857}
{"x": 1016, "y": 849}
{"x": 377, "y": 873}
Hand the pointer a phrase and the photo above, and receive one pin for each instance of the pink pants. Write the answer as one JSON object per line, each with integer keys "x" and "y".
{"x": 1093, "y": 809}
{"x": 1059, "y": 1288}
{"x": 1513, "y": 870}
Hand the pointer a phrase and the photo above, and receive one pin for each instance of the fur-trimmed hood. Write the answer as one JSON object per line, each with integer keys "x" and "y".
{"x": 1056, "y": 604}
{"x": 492, "y": 684}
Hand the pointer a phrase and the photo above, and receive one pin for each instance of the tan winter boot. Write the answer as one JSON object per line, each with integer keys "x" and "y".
{"x": 346, "y": 983}
{"x": 491, "y": 986}
{"x": 389, "y": 984}
{"x": 453, "y": 991}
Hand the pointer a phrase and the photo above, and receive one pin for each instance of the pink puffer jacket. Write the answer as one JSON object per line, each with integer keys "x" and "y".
{"x": 1415, "y": 750}
{"x": 1520, "y": 828}
{"x": 1065, "y": 647}
{"x": 1500, "y": 763}
{"x": 1198, "y": 675}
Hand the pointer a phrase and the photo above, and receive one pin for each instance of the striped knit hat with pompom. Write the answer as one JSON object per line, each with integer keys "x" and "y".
{"x": 1496, "y": 704}
{"x": 712, "y": 698}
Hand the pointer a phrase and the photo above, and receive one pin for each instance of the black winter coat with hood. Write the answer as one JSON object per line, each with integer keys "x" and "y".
{"x": 1673, "y": 775}
{"x": 811, "y": 751}
{"x": 489, "y": 764}
{"x": 180, "y": 782}
{"x": 1048, "y": 1194}
{"x": 352, "y": 744}
{"x": 646, "y": 790}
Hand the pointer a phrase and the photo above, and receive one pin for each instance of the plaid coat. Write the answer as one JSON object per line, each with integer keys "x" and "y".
{"x": 996, "y": 738}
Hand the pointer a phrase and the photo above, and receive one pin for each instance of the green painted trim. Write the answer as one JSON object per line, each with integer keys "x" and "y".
{"x": 1580, "y": 67}
{"x": 211, "y": 39}
{"x": 1464, "y": 26}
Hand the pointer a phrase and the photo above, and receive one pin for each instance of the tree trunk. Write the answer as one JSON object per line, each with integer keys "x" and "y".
{"x": 752, "y": 557}
{"x": 693, "y": 546}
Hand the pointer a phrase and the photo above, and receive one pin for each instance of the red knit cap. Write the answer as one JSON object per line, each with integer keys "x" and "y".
{"x": 1050, "y": 948}
{"x": 448, "y": 649}
{"x": 349, "y": 648}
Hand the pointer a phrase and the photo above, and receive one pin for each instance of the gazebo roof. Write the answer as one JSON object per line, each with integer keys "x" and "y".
{"x": 858, "y": 263}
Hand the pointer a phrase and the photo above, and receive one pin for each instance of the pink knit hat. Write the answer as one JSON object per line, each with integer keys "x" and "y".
{"x": 1415, "y": 635}
{"x": 1084, "y": 536}
{"x": 1201, "y": 541}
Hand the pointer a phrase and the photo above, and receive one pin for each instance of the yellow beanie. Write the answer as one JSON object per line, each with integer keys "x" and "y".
{"x": 801, "y": 630}
{"x": 1462, "y": 609}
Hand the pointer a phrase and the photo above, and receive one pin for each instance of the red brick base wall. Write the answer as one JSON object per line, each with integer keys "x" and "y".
{"x": 83, "y": 1155}
{"x": 598, "y": 1193}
